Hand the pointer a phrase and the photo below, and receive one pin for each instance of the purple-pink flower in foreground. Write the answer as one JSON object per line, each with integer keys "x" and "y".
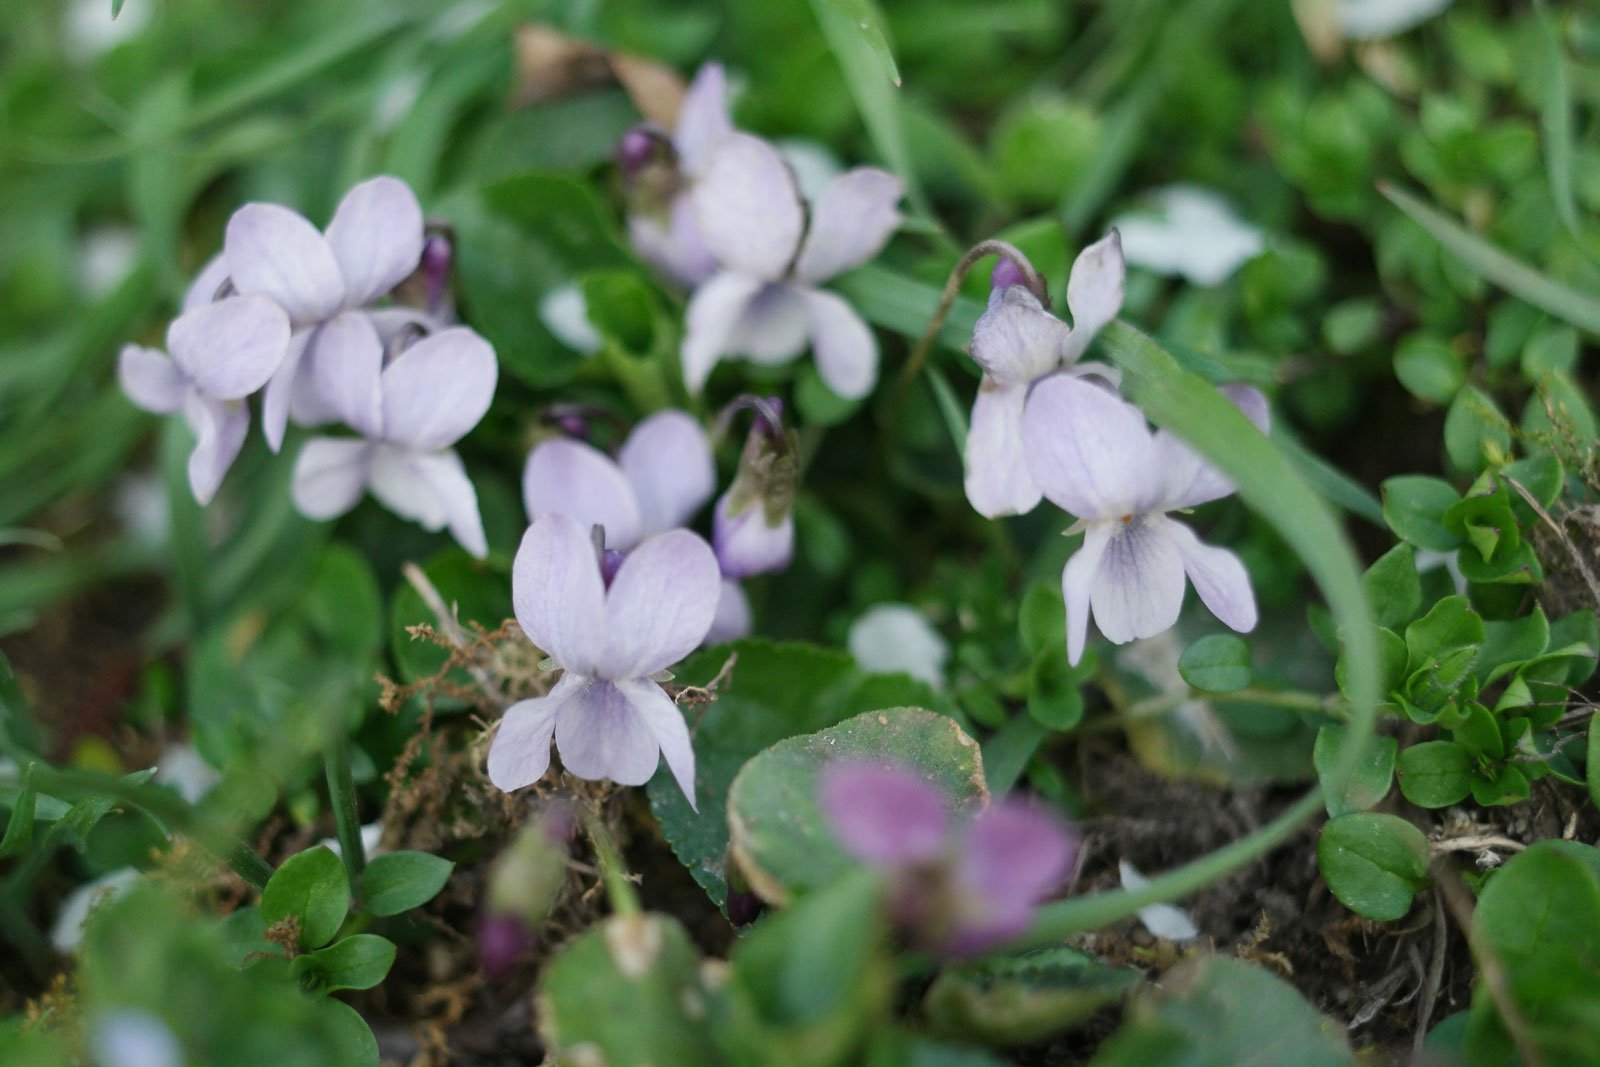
{"x": 956, "y": 888}
{"x": 765, "y": 304}
{"x": 321, "y": 278}
{"x": 662, "y": 475}
{"x": 658, "y": 174}
{"x": 608, "y": 716}
{"x": 1017, "y": 342}
{"x": 1095, "y": 457}
{"x": 409, "y": 412}
{"x": 221, "y": 353}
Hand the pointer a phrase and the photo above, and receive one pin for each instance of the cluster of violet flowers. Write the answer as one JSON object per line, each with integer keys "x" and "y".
{"x": 311, "y": 320}
{"x": 1046, "y": 426}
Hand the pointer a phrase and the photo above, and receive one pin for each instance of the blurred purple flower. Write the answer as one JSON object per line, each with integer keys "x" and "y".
{"x": 322, "y": 279}
{"x": 409, "y": 412}
{"x": 221, "y": 353}
{"x": 1095, "y": 457}
{"x": 608, "y": 717}
{"x": 956, "y": 888}
{"x": 658, "y": 174}
{"x": 1017, "y": 342}
{"x": 765, "y": 304}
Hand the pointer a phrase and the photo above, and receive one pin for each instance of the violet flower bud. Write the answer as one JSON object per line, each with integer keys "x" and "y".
{"x": 753, "y": 523}
{"x": 1006, "y": 274}
{"x": 438, "y": 257}
{"x": 527, "y": 878}
{"x": 503, "y": 940}
{"x": 636, "y": 150}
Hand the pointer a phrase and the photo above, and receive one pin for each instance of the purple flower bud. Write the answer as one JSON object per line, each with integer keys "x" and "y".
{"x": 753, "y": 523}
{"x": 1006, "y": 274}
{"x": 438, "y": 256}
{"x": 636, "y": 150}
{"x": 503, "y": 940}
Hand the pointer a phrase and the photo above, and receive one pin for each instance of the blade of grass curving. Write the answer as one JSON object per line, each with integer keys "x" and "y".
{"x": 949, "y": 407}
{"x": 905, "y": 305}
{"x": 1189, "y": 407}
{"x": 1511, "y": 274}
{"x": 1555, "y": 122}
{"x": 1333, "y": 483}
{"x": 855, "y": 32}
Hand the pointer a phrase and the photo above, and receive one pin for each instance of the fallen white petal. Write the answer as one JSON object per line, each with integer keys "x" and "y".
{"x": 1163, "y": 920}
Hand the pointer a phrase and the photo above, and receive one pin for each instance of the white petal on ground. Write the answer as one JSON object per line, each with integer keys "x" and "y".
{"x": 1193, "y": 233}
{"x": 183, "y": 768}
{"x": 130, "y": 1038}
{"x": 67, "y": 932}
{"x": 565, "y": 314}
{"x": 897, "y": 638}
{"x": 1363, "y": 20}
{"x": 1165, "y": 921}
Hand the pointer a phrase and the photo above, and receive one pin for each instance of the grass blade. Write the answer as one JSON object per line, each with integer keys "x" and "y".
{"x": 1511, "y": 274}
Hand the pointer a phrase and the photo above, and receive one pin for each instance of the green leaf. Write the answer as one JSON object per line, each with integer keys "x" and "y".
{"x": 779, "y": 837}
{"x": 1374, "y": 864}
{"x": 19, "y": 827}
{"x": 1592, "y": 763}
{"x": 628, "y": 991}
{"x": 399, "y": 881}
{"x": 359, "y": 961}
{"x": 1539, "y": 919}
{"x": 1023, "y": 999}
{"x": 1540, "y": 475}
{"x": 1449, "y": 626}
{"x": 1213, "y": 1011}
{"x": 1055, "y": 689}
{"x": 1217, "y": 663}
{"x": 310, "y": 886}
{"x": 1511, "y": 274}
{"x": 1414, "y": 507}
{"x": 1367, "y": 784}
{"x": 775, "y": 691}
{"x": 1042, "y": 620}
{"x": 1479, "y": 733}
{"x": 1503, "y": 784}
{"x": 855, "y": 32}
{"x": 358, "y": 1045}
{"x": 1429, "y": 368}
{"x": 1435, "y": 774}
{"x": 1476, "y": 433}
{"x": 1393, "y": 588}
{"x": 1555, "y": 121}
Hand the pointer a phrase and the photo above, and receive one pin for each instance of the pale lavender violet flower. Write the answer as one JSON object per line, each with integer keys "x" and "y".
{"x": 765, "y": 304}
{"x": 955, "y": 888}
{"x": 409, "y": 414}
{"x": 1095, "y": 457}
{"x": 607, "y": 714}
{"x": 221, "y": 353}
{"x": 658, "y": 174}
{"x": 1017, "y": 342}
{"x": 753, "y": 522}
{"x": 374, "y": 242}
{"x": 662, "y": 475}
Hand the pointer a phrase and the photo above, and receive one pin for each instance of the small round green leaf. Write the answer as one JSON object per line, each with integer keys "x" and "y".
{"x": 1414, "y": 507}
{"x": 1217, "y": 663}
{"x": 1435, "y": 774}
{"x": 1369, "y": 779}
{"x": 1374, "y": 864}
{"x": 1429, "y": 368}
{"x": 399, "y": 881}
{"x": 359, "y": 961}
{"x": 311, "y": 888}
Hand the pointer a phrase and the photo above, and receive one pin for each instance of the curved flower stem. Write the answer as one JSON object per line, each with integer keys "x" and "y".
{"x": 346, "y": 816}
{"x": 619, "y": 886}
{"x": 947, "y": 299}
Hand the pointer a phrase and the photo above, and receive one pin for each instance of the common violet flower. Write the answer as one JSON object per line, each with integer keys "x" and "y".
{"x": 374, "y": 242}
{"x": 608, "y": 716}
{"x": 955, "y": 888}
{"x": 765, "y": 304}
{"x": 408, "y": 412}
{"x": 659, "y": 172}
{"x": 1095, "y": 457}
{"x": 662, "y": 475}
{"x": 221, "y": 353}
{"x": 1017, "y": 341}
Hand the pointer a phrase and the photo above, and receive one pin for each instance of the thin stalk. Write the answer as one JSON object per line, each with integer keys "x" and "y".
{"x": 346, "y": 816}
{"x": 619, "y": 886}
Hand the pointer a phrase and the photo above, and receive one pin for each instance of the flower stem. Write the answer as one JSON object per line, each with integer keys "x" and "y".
{"x": 346, "y": 816}
{"x": 619, "y": 886}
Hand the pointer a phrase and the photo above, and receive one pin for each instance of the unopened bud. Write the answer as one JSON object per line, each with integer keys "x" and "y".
{"x": 1006, "y": 274}
{"x": 527, "y": 878}
{"x": 753, "y": 524}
